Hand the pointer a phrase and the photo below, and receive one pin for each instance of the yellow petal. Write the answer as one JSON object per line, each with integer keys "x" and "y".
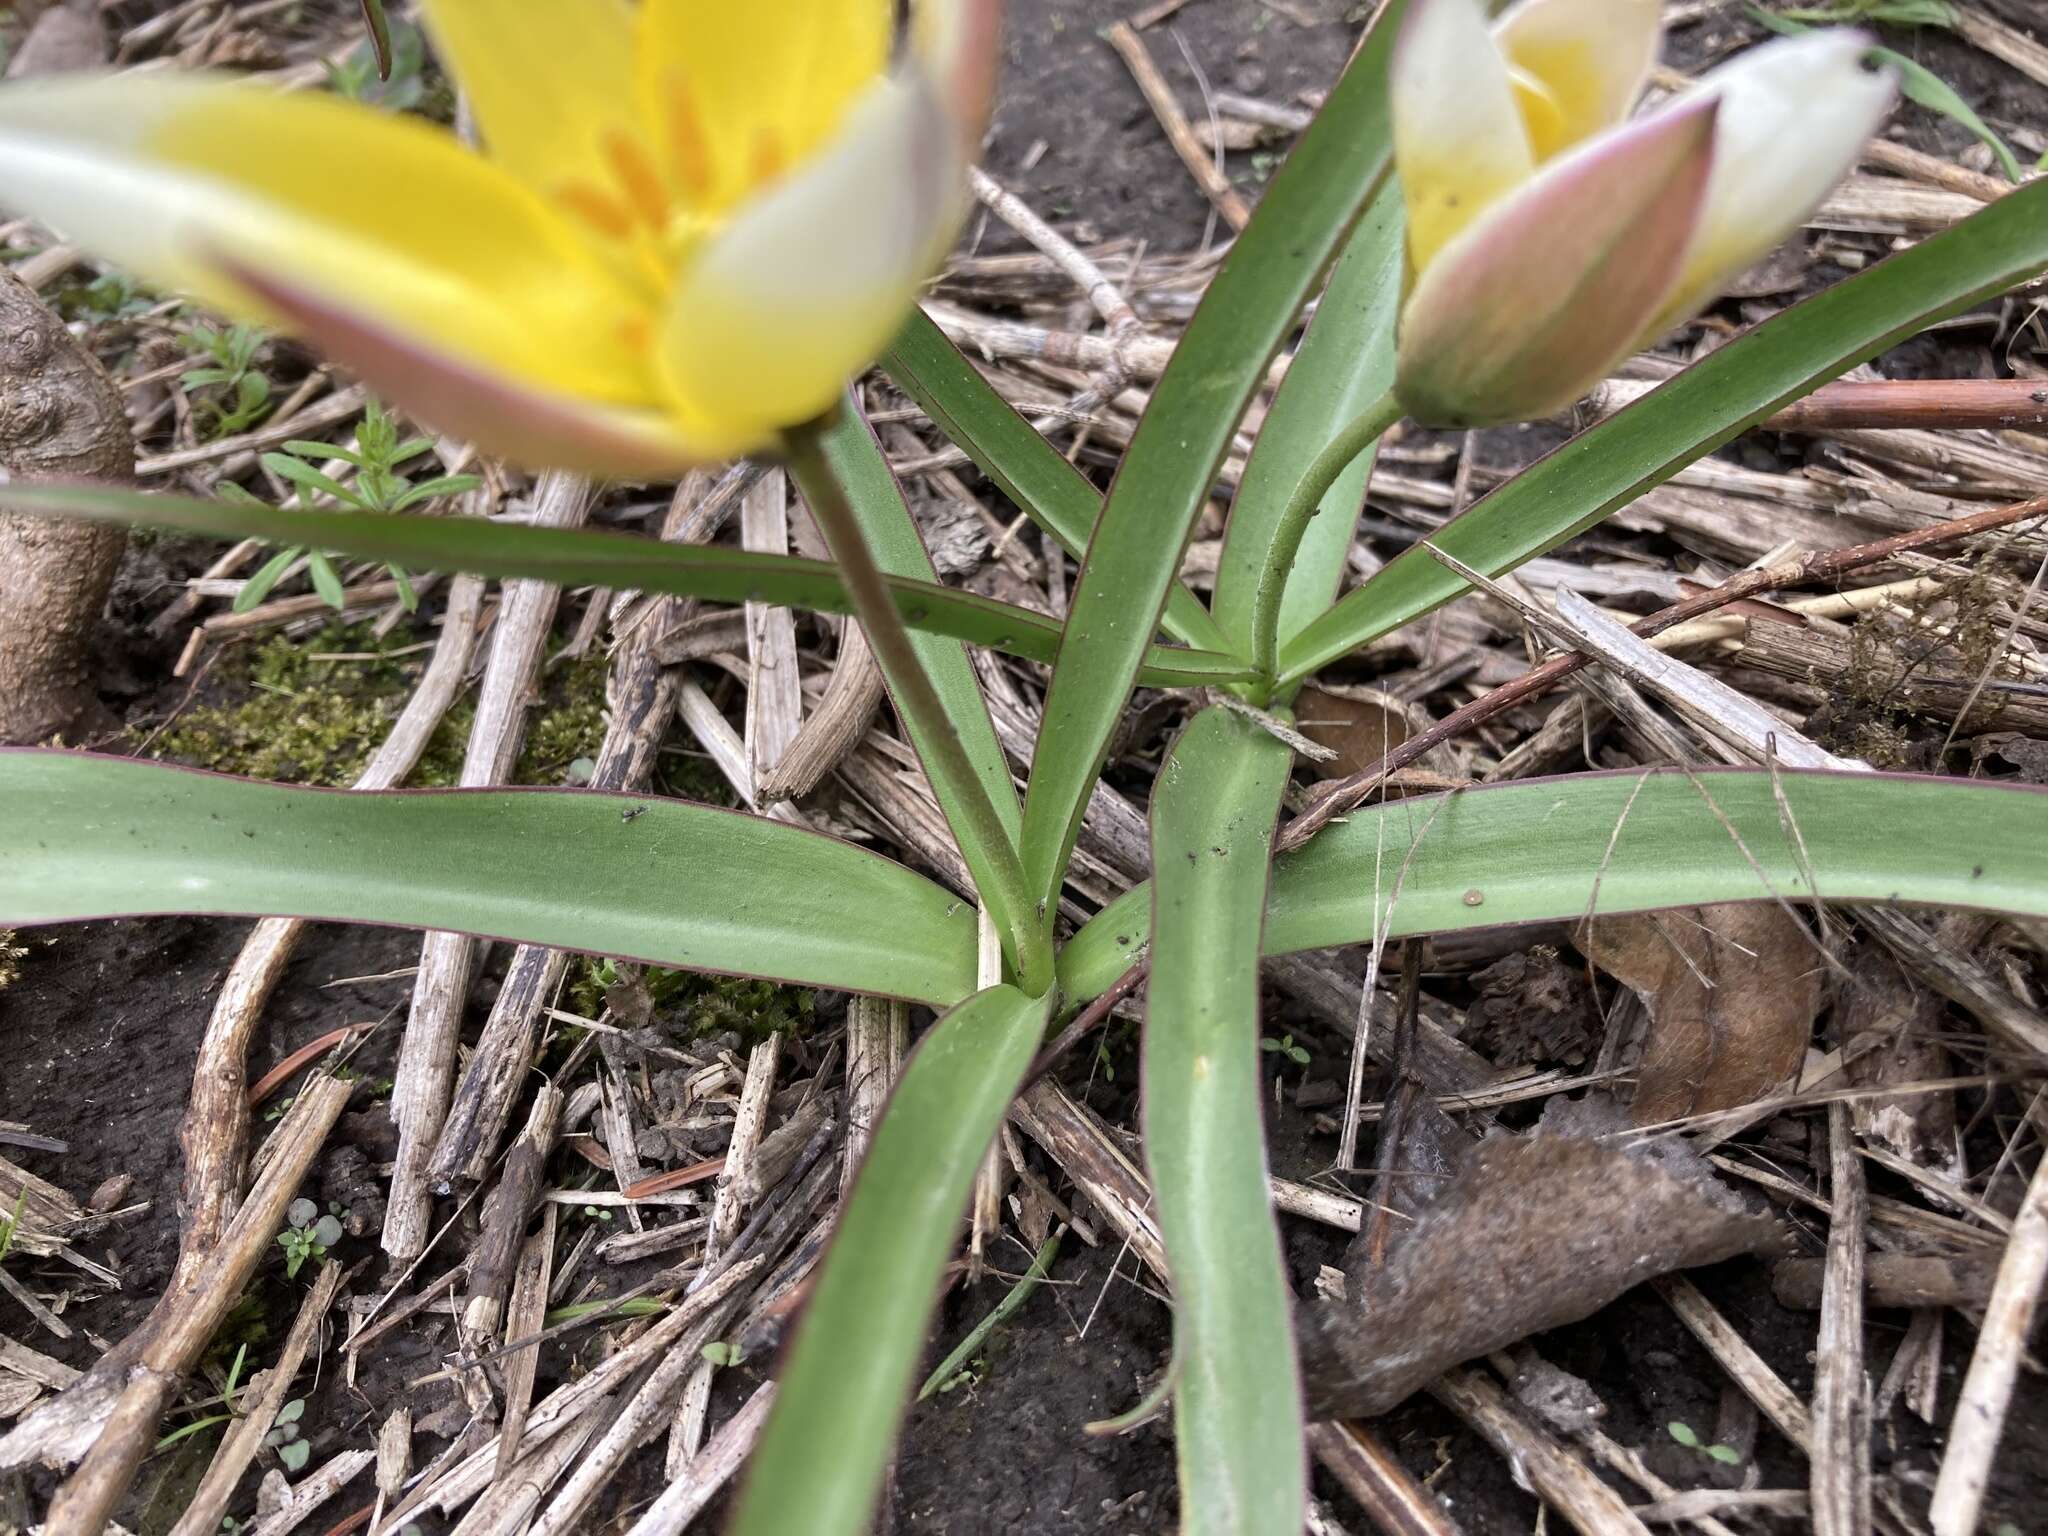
{"x": 1459, "y": 144}
{"x": 1587, "y": 60}
{"x": 809, "y": 282}
{"x": 511, "y": 417}
{"x": 732, "y": 95}
{"x": 181, "y": 179}
{"x": 548, "y": 80}
{"x": 1794, "y": 115}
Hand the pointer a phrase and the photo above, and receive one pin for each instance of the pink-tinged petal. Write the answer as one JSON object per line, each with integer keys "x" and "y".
{"x": 1590, "y": 59}
{"x": 511, "y": 418}
{"x": 1459, "y": 143}
{"x": 1795, "y": 115}
{"x": 163, "y": 174}
{"x": 1538, "y": 300}
{"x": 960, "y": 44}
{"x": 809, "y": 281}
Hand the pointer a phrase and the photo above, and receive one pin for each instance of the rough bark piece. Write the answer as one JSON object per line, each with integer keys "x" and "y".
{"x": 60, "y": 419}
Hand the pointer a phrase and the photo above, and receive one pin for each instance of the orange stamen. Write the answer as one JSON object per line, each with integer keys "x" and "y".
{"x": 689, "y": 150}
{"x": 598, "y": 209}
{"x": 642, "y": 184}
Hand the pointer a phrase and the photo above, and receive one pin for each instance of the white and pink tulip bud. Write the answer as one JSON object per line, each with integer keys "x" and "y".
{"x": 1549, "y": 234}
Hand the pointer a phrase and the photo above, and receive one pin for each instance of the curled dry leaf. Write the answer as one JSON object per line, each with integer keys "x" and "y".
{"x": 1534, "y": 1232}
{"x": 1732, "y": 991}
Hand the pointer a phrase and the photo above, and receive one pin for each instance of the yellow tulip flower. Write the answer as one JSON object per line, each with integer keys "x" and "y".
{"x": 1548, "y": 235}
{"x": 691, "y": 220}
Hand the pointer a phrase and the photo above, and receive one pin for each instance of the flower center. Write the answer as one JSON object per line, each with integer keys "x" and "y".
{"x": 651, "y": 204}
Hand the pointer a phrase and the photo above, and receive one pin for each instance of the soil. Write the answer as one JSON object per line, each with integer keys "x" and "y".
{"x": 103, "y": 1025}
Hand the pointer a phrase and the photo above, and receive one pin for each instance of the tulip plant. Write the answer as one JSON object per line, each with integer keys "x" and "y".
{"x": 689, "y": 225}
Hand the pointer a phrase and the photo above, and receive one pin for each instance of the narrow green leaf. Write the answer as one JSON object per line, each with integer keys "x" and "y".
{"x": 318, "y": 451}
{"x": 326, "y": 580}
{"x": 574, "y": 557}
{"x": 818, "y": 1467}
{"x": 1237, "y": 1406}
{"x": 657, "y": 880}
{"x": 939, "y": 702}
{"x": 1344, "y": 363}
{"x": 1055, "y": 495}
{"x": 305, "y": 476}
{"x": 379, "y": 28}
{"x": 1923, "y": 86}
{"x": 1171, "y": 466}
{"x": 1542, "y": 850}
{"x": 427, "y": 490}
{"x": 1716, "y": 399}
{"x": 258, "y": 586}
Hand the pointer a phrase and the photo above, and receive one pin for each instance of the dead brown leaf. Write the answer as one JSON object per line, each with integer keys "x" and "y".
{"x": 1361, "y": 726}
{"x": 1732, "y": 991}
{"x": 1534, "y": 1232}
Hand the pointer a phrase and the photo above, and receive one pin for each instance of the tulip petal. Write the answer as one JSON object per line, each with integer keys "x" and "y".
{"x": 547, "y": 80}
{"x": 959, "y": 42}
{"x": 1591, "y": 58}
{"x": 1459, "y": 143}
{"x": 809, "y": 281}
{"x": 177, "y": 179}
{"x": 1539, "y": 299}
{"x": 735, "y": 94}
{"x": 1795, "y": 114}
{"x": 508, "y": 417}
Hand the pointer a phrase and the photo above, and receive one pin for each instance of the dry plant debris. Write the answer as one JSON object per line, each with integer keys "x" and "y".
{"x": 619, "y": 1172}
{"x": 1732, "y": 993}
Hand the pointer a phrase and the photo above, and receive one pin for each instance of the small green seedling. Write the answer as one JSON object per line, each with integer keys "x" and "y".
{"x": 308, "y": 1234}
{"x": 1684, "y": 1434}
{"x": 284, "y": 1436}
{"x": 227, "y": 1398}
{"x": 242, "y": 390}
{"x": 379, "y": 486}
{"x": 718, "y": 1352}
{"x": 1285, "y": 1046}
{"x": 12, "y": 1225}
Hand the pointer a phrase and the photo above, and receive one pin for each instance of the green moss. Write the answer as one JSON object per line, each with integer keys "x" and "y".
{"x": 695, "y": 1006}
{"x": 568, "y": 725}
{"x": 298, "y": 719}
{"x": 289, "y": 717}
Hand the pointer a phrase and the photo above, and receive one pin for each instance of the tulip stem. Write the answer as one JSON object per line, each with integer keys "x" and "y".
{"x": 983, "y": 839}
{"x": 1351, "y": 439}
